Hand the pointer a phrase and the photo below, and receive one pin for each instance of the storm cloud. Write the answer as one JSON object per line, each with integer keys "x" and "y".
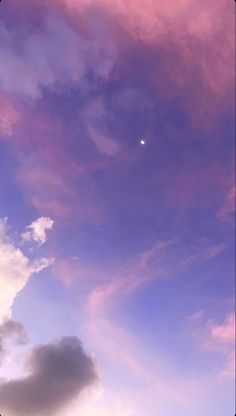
{"x": 57, "y": 373}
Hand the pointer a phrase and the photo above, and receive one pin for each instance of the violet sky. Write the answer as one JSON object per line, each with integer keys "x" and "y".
{"x": 117, "y": 203}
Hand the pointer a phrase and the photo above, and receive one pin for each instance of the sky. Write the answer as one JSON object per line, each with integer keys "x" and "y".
{"x": 117, "y": 204}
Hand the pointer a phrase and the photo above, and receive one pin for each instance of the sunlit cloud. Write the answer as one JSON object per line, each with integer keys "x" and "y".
{"x": 15, "y": 270}
{"x": 36, "y": 231}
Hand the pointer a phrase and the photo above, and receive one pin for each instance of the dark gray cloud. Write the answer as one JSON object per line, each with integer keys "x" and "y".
{"x": 11, "y": 330}
{"x": 58, "y": 372}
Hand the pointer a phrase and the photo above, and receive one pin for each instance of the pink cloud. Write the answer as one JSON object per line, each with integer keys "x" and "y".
{"x": 104, "y": 144}
{"x": 195, "y": 44}
{"x": 164, "y": 259}
{"x": 227, "y": 210}
{"x": 222, "y": 340}
{"x": 225, "y": 333}
{"x": 53, "y": 181}
{"x": 40, "y": 62}
{"x": 214, "y": 250}
{"x": 55, "y": 193}
{"x": 129, "y": 278}
{"x": 213, "y": 337}
{"x": 69, "y": 271}
{"x": 9, "y": 116}
{"x": 191, "y": 60}
{"x": 145, "y": 257}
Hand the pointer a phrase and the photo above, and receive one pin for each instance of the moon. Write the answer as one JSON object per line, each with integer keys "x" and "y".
{"x": 142, "y": 142}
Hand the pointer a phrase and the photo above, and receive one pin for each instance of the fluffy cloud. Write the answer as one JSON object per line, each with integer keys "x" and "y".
{"x": 15, "y": 270}
{"x": 36, "y": 231}
{"x": 58, "y": 372}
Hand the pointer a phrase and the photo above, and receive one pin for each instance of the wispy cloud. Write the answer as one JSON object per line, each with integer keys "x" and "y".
{"x": 226, "y": 212}
{"x": 161, "y": 260}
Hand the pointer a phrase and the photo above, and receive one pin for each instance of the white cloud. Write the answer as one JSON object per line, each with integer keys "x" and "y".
{"x": 15, "y": 271}
{"x": 36, "y": 231}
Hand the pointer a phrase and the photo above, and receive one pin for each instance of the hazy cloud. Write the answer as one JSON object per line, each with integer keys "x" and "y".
{"x": 227, "y": 211}
{"x": 96, "y": 118}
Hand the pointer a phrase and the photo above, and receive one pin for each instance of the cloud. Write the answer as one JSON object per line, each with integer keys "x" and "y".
{"x": 221, "y": 339}
{"x": 97, "y": 120}
{"x": 68, "y": 271}
{"x": 9, "y": 116}
{"x": 188, "y": 42}
{"x": 60, "y": 194}
{"x": 191, "y": 45}
{"x": 215, "y": 337}
{"x": 165, "y": 50}
{"x": 104, "y": 144}
{"x": 57, "y": 374}
{"x": 15, "y": 271}
{"x": 40, "y": 63}
{"x": 11, "y": 329}
{"x": 224, "y": 333}
{"x": 164, "y": 259}
{"x": 36, "y": 231}
{"x": 227, "y": 211}
{"x": 131, "y": 277}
